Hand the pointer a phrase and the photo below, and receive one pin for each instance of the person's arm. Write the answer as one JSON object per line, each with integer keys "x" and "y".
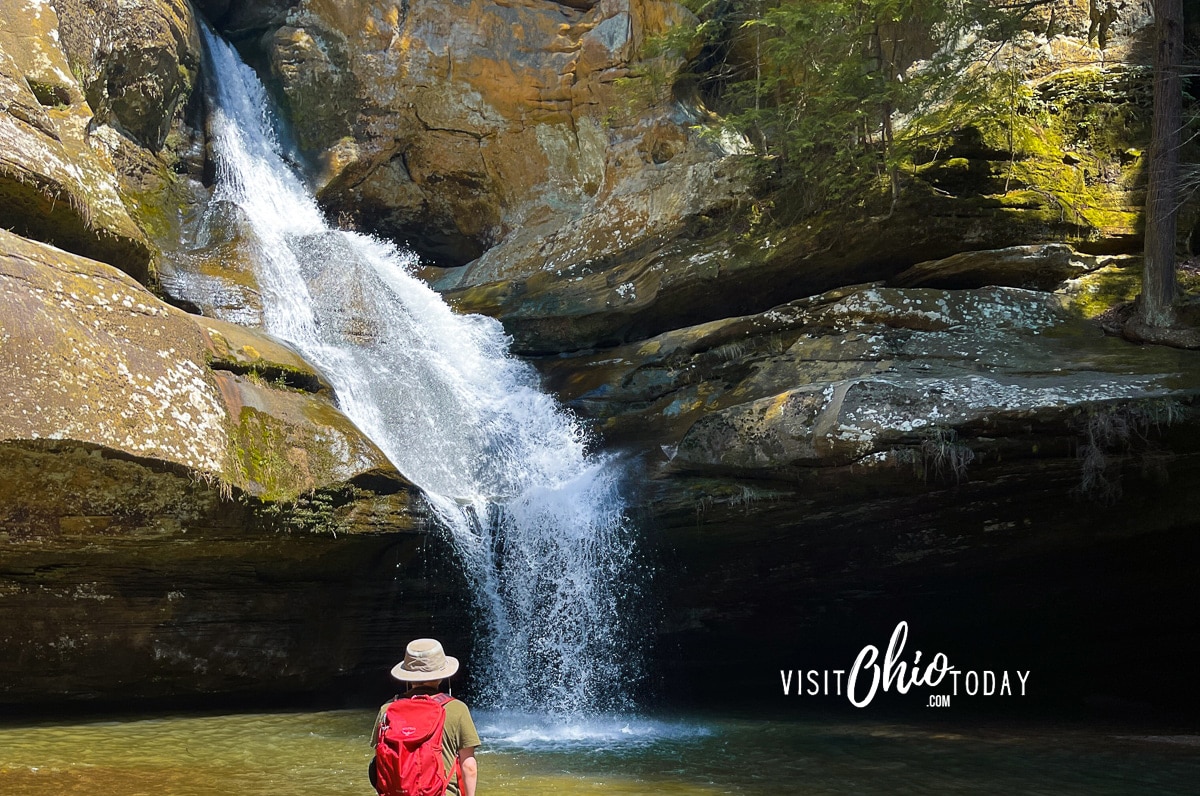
{"x": 378, "y": 722}
{"x": 470, "y": 770}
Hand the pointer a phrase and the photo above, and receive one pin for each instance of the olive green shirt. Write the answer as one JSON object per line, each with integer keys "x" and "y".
{"x": 458, "y": 733}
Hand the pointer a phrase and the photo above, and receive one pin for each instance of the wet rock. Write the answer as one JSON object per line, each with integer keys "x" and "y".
{"x": 178, "y": 492}
{"x": 213, "y": 273}
{"x": 815, "y": 473}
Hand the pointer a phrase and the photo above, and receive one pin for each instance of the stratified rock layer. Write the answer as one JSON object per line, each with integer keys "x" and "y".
{"x": 817, "y": 472}
{"x": 183, "y": 509}
{"x": 1065, "y": 166}
{"x": 461, "y": 124}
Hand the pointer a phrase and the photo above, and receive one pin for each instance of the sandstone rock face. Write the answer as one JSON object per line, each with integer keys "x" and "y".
{"x": 809, "y": 383}
{"x": 138, "y": 61}
{"x": 150, "y": 381}
{"x": 1062, "y": 176}
{"x": 57, "y": 178}
{"x": 875, "y": 454}
{"x": 538, "y": 143}
{"x": 461, "y": 124}
{"x": 93, "y": 124}
{"x": 177, "y": 491}
{"x": 124, "y": 578}
{"x": 976, "y": 195}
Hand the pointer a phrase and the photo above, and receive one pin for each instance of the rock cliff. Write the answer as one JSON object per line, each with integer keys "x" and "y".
{"x": 550, "y": 149}
{"x": 148, "y": 457}
{"x": 897, "y": 411}
{"x": 184, "y": 509}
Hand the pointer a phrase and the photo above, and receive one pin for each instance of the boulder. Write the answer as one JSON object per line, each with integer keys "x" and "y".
{"x": 138, "y": 62}
{"x": 184, "y": 508}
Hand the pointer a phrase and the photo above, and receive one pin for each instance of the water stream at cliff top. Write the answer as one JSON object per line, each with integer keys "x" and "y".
{"x": 537, "y": 519}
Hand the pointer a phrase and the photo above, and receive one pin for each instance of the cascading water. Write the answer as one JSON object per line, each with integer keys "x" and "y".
{"x": 536, "y": 519}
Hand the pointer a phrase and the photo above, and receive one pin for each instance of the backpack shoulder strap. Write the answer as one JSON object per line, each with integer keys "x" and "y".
{"x": 456, "y": 769}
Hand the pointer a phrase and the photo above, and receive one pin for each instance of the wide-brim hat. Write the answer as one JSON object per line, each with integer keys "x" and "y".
{"x": 424, "y": 660}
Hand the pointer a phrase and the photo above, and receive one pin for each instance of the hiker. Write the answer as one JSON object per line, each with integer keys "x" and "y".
{"x": 419, "y": 726}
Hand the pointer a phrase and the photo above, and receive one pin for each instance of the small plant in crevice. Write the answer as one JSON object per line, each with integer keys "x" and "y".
{"x": 942, "y": 457}
{"x": 311, "y": 512}
{"x": 210, "y": 480}
{"x": 1115, "y": 432}
{"x": 731, "y": 497}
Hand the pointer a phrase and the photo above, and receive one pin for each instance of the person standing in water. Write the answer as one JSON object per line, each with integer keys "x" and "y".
{"x": 424, "y": 668}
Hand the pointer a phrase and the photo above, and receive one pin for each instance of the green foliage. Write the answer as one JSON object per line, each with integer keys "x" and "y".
{"x": 311, "y": 512}
{"x": 843, "y": 94}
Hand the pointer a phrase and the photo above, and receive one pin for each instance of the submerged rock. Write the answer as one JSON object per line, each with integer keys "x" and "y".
{"x": 183, "y": 507}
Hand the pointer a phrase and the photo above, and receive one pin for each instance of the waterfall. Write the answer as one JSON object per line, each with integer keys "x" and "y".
{"x": 536, "y": 518}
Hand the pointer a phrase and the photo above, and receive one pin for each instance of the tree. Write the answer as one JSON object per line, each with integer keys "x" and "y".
{"x": 1154, "y": 319}
{"x": 1156, "y": 306}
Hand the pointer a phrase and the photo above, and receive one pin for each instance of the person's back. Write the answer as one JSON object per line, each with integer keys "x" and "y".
{"x": 423, "y": 669}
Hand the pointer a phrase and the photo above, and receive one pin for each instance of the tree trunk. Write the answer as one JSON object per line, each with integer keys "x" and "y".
{"x": 1158, "y": 273}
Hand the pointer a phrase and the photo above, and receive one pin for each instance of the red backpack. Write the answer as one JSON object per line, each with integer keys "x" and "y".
{"x": 408, "y": 756}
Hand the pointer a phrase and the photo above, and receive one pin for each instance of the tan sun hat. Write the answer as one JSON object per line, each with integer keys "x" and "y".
{"x": 424, "y": 660}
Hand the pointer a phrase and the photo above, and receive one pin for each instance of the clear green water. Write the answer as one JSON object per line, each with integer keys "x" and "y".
{"x": 306, "y": 754}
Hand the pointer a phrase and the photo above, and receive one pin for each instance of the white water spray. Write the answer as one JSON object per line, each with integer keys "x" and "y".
{"x": 537, "y": 521}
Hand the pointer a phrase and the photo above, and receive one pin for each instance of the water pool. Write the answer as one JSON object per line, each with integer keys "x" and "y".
{"x": 326, "y": 754}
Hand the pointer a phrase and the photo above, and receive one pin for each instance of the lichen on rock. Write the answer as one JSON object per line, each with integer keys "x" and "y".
{"x": 95, "y": 358}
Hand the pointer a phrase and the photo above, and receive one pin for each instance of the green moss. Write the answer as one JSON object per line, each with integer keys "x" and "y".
{"x": 258, "y": 457}
{"x": 1063, "y": 149}
{"x": 59, "y": 216}
{"x": 1024, "y": 199}
{"x": 1101, "y": 290}
{"x": 264, "y": 373}
{"x": 960, "y": 175}
{"x": 313, "y": 512}
{"x": 154, "y": 206}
